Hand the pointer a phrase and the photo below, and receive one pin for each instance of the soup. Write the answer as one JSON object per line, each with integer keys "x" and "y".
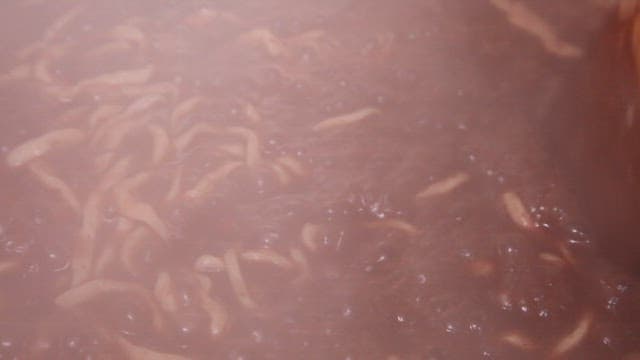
{"x": 304, "y": 180}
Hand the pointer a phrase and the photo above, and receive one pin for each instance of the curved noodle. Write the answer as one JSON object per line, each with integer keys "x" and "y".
{"x": 36, "y": 147}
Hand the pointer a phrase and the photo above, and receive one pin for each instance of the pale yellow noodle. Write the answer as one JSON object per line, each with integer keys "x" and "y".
{"x": 43, "y": 144}
{"x": 130, "y": 246}
{"x": 136, "y": 210}
{"x": 308, "y": 235}
{"x": 209, "y": 180}
{"x": 573, "y": 339}
{"x": 517, "y": 211}
{"x": 266, "y": 39}
{"x": 60, "y": 23}
{"x": 444, "y": 186}
{"x": 176, "y": 185}
{"x": 283, "y": 176}
{"x": 208, "y": 264}
{"x": 187, "y": 137}
{"x": 301, "y": 261}
{"x": 267, "y": 256}
{"x": 518, "y": 340}
{"x": 118, "y": 78}
{"x": 252, "y": 147}
{"x": 97, "y": 288}
{"x": 292, "y": 165}
{"x": 551, "y": 259}
{"x": 217, "y": 313}
{"x": 54, "y": 183}
{"x": 237, "y": 280}
{"x": 130, "y": 33}
{"x": 184, "y": 108}
{"x": 524, "y": 18}
{"x": 161, "y": 143}
{"x": 135, "y": 352}
{"x": 396, "y": 224}
{"x": 345, "y": 119}
{"x": 102, "y": 113}
{"x": 164, "y": 292}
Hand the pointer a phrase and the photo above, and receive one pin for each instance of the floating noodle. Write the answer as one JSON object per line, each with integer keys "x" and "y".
{"x": 444, "y": 186}
{"x": 107, "y": 257}
{"x": 185, "y": 107}
{"x": 129, "y": 33}
{"x": 164, "y": 293}
{"x": 60, "y": 23}
{"x": 136, "y": 210}
{"x": 252, "y": 113}
{"x": 551, "y": 259}
{"x": 164, "y": 88}
{"x": 43, "y": 144}
{"x": 300, "y": 259}
{"x": 208, "y": 264}
{"x": 176, "y": 184}
{"x": 55, "y": 183}
{"x": 208, "y": 181}
{"x": 123, "y": 77}
{"x": 524, "y": 18}
{"x": 574, "y": 338}
{"x": 265, "y": 38}
{"x": 102, "y": 113}
{"x": 131, "y": 244}
{"x": 308, "y": 235}
{"x": 186, "y": 138}
{"x": 518, "y": 340}
{"x": 135, "y": 352}
{"x": 396, "y": 224}
{"x": 283, "y": 176}
{"x": 96, "y": 288}
{"x": 237, "y": 280}
{"x": 267, "y": 256}
{"x": 517, "y": 211}
{"x": 233, "y": 149}
{"x": 345, "y": 119}
{"x": 109, "y": 48}
{"x": 252, "y": 148}
{"x": 161, "y": 143}
{"x": 217, "y": 314}
{"x": 20, "y": 72}
{"x": 292, "y": 165}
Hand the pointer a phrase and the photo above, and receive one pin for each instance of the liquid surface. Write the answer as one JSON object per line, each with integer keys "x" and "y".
{"x": 300, "y": 180}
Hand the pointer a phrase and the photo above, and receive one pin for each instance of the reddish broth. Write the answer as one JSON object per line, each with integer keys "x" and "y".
{"x": 301, "y": 180}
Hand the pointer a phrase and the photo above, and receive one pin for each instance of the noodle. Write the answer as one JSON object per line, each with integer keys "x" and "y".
{"x": 396, "y": 224}
{"x": 19, "y": 72}
{"x": 267, "y": 256}
{"x": 265, "y": 38}
{"x": 101, "y": 113}
{"x": 292, "y": 164}
{"x": 301, "y": 261}
{"x": 130, "y": 246}
{"x": 482, "y": 268}
{"x": 237, "y": 281}
{"x": 185, "y": 139}
{"x": 106, "y": 258}
{"x": 444, "y": 186}
{"x": 217, "y": 314}
{"x": 123, "y": 77}
{"x": 208, "y": 181}
{"x": 522, "y": 17}
{"x": 176, "y": 184}
{"x": 233, "y": 149}
{"x": 572, "y": 339}
{"x": 345, "y": 119}
{"x": 164, "y": 293}
{"x": 95, "y": 288}
{"x": 60, "y": 23}
{"x": 252, "y": 148}
{"x": 161, "y": 143}
{"x": 184, "y": 108}
{"x": 551, "y": 259}
{"x": 283, "y": 177}
{"x": 136, "y": 210}
{"x": 55, "y": 183}
{"x": 43, "y": 144}
{"x": 252, "y": 113}
{"x": 308, "y": 235}
{"x": 517, "y": 211}
{"x": 209, "y": 264}
{"x": 135, "y": 352}
{"x": 129, "y": 33}
{"x": 84, "y": 244}
{"x": 518, "y": 340}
